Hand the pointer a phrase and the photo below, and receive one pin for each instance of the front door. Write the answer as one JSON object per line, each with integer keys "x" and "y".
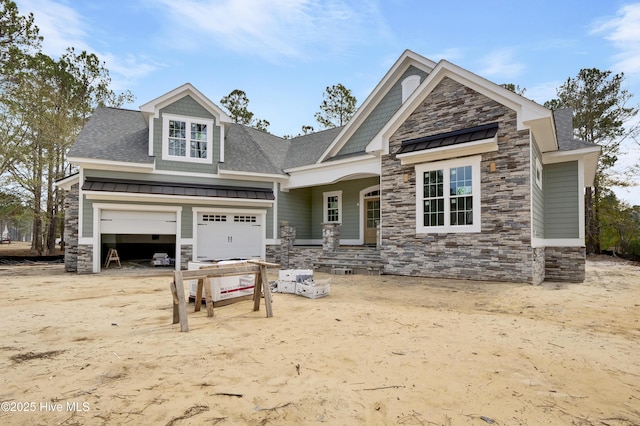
{"x": 371, "y": 220}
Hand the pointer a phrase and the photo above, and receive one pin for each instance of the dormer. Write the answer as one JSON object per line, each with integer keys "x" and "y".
{"x": 186, "y": 127}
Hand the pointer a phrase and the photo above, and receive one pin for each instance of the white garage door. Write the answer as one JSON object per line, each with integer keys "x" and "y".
{"x": 229, "y": 236}
{"x": 137, "y": 222}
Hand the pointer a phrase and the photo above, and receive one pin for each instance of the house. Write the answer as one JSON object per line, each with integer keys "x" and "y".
{"x": 440, "y": 173}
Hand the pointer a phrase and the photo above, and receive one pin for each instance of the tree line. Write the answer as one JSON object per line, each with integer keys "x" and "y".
{"x": 337, "y": 107}
{"x": 44, "y": 102}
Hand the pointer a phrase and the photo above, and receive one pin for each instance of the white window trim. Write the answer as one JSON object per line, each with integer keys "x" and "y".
{"x": 188, "y": 120}
{"x": 537, "y": 173}
{"x": 474, "y": 162}
{"x": 325, "y": 213}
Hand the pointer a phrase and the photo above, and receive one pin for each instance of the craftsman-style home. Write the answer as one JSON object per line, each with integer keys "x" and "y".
{"x": 440, "y": 173}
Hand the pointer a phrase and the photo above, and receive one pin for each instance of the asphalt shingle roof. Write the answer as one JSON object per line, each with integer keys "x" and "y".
{"x": 121, "y": 135}
{"x": 115, "y": 135}
{"x": 307, "y": 149}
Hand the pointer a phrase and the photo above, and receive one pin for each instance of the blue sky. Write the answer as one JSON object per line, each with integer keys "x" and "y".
{"x": 284, "y": 53}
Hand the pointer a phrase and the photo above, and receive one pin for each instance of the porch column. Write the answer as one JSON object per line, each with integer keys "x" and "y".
{"x": 70, "y": 236}
{"x": 330, "y": 237}
{"x": 287, "y": 238}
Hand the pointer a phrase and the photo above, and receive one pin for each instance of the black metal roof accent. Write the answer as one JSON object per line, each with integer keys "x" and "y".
{"x": 471, "y": 134}
{"x": 176, "y": 188}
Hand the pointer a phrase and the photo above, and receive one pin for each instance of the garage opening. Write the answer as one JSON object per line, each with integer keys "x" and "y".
{"x": 138, "y": 248}
{"x": 138, "y": 235}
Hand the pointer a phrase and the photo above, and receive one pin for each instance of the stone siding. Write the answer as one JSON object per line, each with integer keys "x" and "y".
{"x": 85, "y": 259}
{"x": 538, "y": 265}
{"x": 186, "y": 254}
{"x": 299, "y": 257}
{"x": 502, "y": 250}
{"x": 330, "y": 237}
{"x": 70, "y": 236}
{"x": 287, "y": 238}
{"x": 565, "y": 264}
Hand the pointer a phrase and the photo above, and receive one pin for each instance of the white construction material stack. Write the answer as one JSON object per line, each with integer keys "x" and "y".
{"x": 301, "y": 282}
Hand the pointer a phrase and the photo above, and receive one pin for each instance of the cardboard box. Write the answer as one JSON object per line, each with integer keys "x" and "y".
{"x": 313, "y": 289}
{"x": 297, "y": 275}
{"x": 222, "y": 288}
{"x": 286, "y": 286}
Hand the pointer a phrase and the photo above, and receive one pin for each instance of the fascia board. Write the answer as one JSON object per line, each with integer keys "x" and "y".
{"x": 589, "y": 156}
{"x": 564, "y": 156}
{"x": 240, "y": 175}
{"x": 157, "y": 198}
{"x": 68, "y": 182}
{"x": 117, "y": 166}
{"x": 330, "y": 164}
{"x": 407, "y": 59}
{"x": 327, "y": 174}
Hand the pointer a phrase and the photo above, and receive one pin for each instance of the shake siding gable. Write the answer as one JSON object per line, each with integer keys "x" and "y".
{"x": 380, "y": 115}
{"x": 187, "y": 107}
{"x": 560, "y": 183}
{"x": 502, "y": 250}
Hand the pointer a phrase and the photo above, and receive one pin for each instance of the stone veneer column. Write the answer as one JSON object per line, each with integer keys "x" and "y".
{"x": 287, "y": 238}
{"x": 70, "y": 236}
{"x": 186, "y": 254}
{"x": 85, "y": 259}
{"x": 330, "y": 237}
{"x": 538, "y": 266}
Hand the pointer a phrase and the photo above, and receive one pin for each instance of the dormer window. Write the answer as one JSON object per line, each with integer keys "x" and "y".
{"x": 409, "y": 85}
{"x": 187, "y": 139}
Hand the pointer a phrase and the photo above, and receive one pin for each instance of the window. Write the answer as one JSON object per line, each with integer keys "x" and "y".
{"x": 243, "y": 218}
{"x": 448, "y": 196}
{"x": 187, "y": 139}
{"x": 332, "y": 207}
{"x": 214, "y": 218}
{"x": 538, "y": 173}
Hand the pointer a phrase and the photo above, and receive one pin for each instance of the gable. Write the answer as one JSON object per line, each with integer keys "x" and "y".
{"x": 451, "y": 111}
{"x": 363, "y": 118}
{"x": 380, "y": 115}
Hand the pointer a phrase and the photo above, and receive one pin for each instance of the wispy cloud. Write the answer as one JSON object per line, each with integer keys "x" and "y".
{"x": 62, "y": 27}
{"x": 501, "y": 64}
{"x": 274, "y": 30}
{"x": 624, "y": 32}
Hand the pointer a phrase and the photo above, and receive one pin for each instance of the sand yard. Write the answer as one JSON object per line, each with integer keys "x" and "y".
{"x": 380, "y": 350}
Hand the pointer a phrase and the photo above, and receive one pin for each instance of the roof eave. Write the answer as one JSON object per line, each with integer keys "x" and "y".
{"x": 588, "y": 155}
{"x": 99, "y": 164}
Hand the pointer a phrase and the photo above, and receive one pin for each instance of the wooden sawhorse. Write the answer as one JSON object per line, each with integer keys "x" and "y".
{"x": 261, "y": 286}
{"x": 112, "y": 256}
